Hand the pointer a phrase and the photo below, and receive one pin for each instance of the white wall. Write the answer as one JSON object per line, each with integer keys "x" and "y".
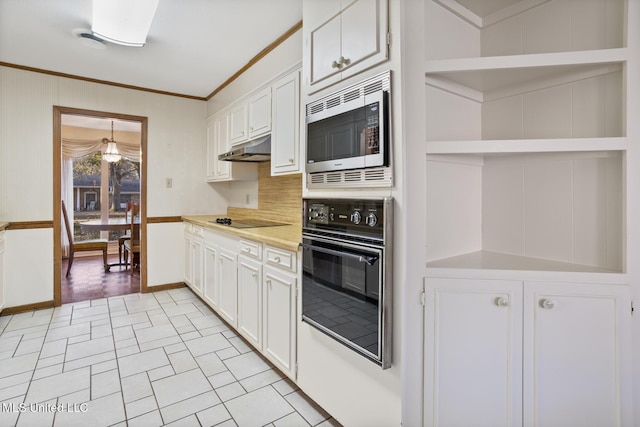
{"x": 176, "y": 143}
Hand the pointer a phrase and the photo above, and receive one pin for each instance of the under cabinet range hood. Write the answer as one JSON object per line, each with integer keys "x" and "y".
{"x": 257, "y": 150}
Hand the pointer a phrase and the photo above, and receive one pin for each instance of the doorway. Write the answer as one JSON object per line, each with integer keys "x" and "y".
{"x": 96, "y": 199}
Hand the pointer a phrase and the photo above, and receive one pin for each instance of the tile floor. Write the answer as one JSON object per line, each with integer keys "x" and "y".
{"x": 145, "y": 360}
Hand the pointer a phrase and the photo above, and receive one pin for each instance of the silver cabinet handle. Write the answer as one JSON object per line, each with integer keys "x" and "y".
{"x": 344, "y": 61}
{"x": 277, "y": 259}
{"x": 254, "y": 275}
{"x": 502, "y": 302}
{"x": 547, "y": 304}
{"x": 336, "y": 64}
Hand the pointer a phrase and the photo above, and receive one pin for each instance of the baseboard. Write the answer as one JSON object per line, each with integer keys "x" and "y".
{"x": 166, "y": 287}
{"x": 27, "y": 307}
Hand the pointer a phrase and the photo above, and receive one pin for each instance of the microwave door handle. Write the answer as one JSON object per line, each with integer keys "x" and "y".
{"x": 370, "y": 260}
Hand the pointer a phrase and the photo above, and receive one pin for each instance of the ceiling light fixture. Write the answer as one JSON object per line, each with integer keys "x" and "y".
{"x": 123, "y": 22}
{"x": 111, "y": 154}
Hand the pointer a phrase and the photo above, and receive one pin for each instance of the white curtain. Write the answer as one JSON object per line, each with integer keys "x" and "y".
{"x": 75, "y": 148}
{"x": 67, "y": 198}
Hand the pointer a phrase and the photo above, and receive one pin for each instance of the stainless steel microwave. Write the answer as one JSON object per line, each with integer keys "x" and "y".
{"x": 349, "y": 130}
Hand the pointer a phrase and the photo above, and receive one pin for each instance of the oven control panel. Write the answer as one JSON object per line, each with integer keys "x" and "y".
{"x": 358, "y": 217}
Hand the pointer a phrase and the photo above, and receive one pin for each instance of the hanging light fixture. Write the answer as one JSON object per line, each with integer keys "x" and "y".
{"x": 111, "y": 154}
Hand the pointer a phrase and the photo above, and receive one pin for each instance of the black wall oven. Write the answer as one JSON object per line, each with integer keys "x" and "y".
{"x": 346, "y": 284}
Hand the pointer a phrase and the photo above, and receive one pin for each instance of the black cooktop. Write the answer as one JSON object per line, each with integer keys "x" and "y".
{"x": 247, "y": 223}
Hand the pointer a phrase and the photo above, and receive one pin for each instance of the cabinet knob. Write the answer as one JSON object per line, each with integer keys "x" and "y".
{"x": 254, "y": 275}
{"x": 269, "y": 283}
{"x": 547, "y": 304}
{"x": 502, "y": 302}
{"x": 336, "y": 64}
{"x": 291, "y": 160}
{"x": 277, "y": 259}
{"x": 344, "y": 61}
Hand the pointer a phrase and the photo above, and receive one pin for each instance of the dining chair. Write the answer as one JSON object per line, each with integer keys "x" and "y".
{"x": 124, "y": 237}
{"x": 85, "y": 245}
{"x": 132, "y": 246}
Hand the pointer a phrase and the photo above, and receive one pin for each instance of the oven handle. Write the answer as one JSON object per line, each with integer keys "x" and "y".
{"x": 370, "y": 260}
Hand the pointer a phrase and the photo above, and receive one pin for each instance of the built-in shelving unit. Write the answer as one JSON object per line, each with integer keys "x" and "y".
{"x": 526, "y": 135}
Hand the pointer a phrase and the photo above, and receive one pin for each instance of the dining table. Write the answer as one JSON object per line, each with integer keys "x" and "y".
{"x": 111, "y": 224}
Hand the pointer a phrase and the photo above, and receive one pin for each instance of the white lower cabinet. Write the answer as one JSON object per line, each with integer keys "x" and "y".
{"x": 228, "y": 286}
{"x": 576, "y": 355}
{"x": 193, "y": 250}
{"x": 1, "y": 270}
{"x": 252, "y": 286}
{"x": 279, "y": 319}
{"x": 211, "y": 291}
{"x": 250, "y": 300}
{"x": 512, "y": 353}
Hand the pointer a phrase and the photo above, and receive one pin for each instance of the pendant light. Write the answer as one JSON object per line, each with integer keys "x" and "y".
{"x": 111, "y": 154}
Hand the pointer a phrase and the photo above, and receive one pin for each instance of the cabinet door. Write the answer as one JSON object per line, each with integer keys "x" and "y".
{"x": 210, "y": 286}
{"x": 228, "y": 286}
{"x": 473, "y": 353}
{"x": 212, "y": 152}
{"x": 250, "y": 300}
{"x": 223, "y": 169}
{"x": 260, "y": 113}
{"x": 1, "y": 270}
{"x": 324, "y": 50}
{"x": 364, "y": 33}
{"x": 577, "y": 359}
{"x": 238, "y": 124}
{"x": 188, "y": 266}
{"x": 280, "y": 319}
{"x": 196, "y": 269}
{"x": 285, "y": 133}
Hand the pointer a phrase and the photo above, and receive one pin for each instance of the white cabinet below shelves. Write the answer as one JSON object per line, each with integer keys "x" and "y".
{"x": 500, "y": 353}
{"x": 474, "y": 346}
{"x": 285, "y": 132}
{"x": 342, "y": 39}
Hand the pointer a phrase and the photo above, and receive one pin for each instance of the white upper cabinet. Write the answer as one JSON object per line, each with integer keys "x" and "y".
{"x": 259, "y": 109}
{"x": 342, "y": 39}
{"x": 251, "y": 118}
{"x": 285, "y": 132}
{"x": 218, "y": 143}
{"x": 238, "y": 124}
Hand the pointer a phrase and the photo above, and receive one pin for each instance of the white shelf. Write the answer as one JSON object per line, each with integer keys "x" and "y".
{"x": 527, "y": 145}
{"x": 486, "y": 260}
{"x": 484, "y": 75}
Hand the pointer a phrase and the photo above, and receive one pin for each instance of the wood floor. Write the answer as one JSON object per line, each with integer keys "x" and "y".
{"x": 88, "y": 281}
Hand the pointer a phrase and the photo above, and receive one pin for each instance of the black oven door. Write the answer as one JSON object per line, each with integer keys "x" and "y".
{"x": 341, "y": 289}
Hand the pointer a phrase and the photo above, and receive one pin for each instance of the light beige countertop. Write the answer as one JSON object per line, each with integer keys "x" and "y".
{"x": 3, "y": 225}
{"x": 282, "y": 236}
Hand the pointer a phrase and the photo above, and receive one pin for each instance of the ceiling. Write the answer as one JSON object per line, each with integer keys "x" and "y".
{"x": 193, "y": 46}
